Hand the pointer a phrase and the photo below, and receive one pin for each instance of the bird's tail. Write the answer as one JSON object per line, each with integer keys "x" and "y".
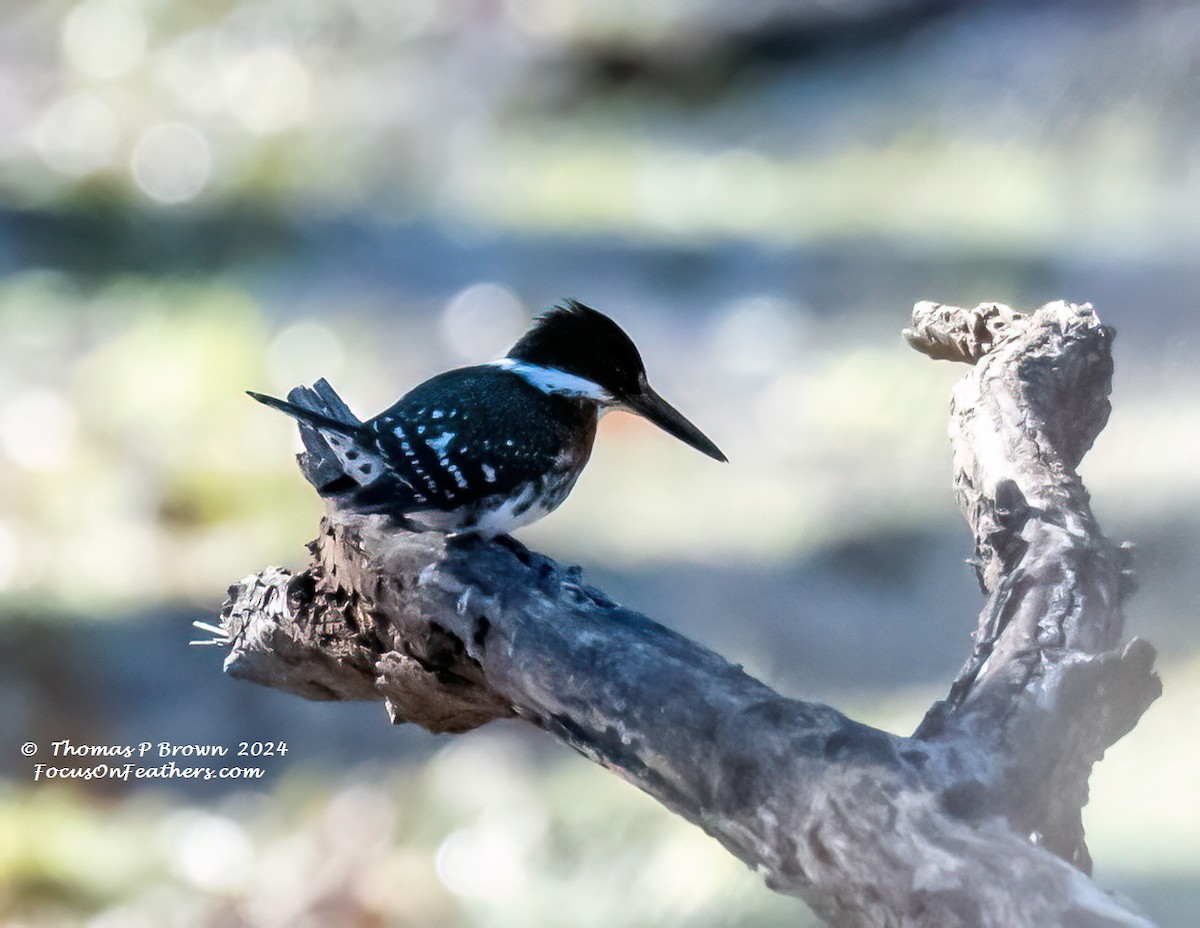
{"x": 341, "y": 456}
{"x": 307, "y": 416}
{"x": 339, "y": 459}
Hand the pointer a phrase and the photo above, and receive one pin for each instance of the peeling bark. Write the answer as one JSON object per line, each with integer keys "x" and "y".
{"x": 972, "y": 821}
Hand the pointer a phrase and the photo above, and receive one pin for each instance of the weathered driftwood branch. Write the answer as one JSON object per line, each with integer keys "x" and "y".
{"x": 972, "y": 821}
{"x": 1049, "y": 685}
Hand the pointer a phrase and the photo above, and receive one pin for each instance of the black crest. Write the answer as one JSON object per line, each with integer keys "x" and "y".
{"x": 580, "y": 340}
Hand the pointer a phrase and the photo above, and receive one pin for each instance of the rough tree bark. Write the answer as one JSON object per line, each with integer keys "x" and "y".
{"x": 973, "y": 821}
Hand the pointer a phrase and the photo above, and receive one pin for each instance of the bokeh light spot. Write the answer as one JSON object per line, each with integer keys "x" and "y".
{"x": 213, "y": 852}
{"x": 37, "y": 429}
{"x": 758, "y": 334}
{"x": 76, "y": 135}
{"x": 267, "y": 89}
{"x": 480, "y": 863}
{"x": 187, "y": 68}
{"x": 104, "y": 38}
{"x": 171, "y": 162}
{"x": 303, "y": 352}
{"x": 483, "y": 320}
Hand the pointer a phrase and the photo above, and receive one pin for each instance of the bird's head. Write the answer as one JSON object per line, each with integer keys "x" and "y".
{"x": 598, "y": 361}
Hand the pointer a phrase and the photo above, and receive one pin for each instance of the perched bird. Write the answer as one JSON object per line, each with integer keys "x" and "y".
{"x": 489, "y": 448}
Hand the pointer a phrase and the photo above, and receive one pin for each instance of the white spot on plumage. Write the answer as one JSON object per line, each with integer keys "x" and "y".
{"x": 358, "y": 462}
{"x": 436, "y": 414}
{"x": 417, "y": 468}
{"x": 489, "y": 473}
{"x": 458, "y": 477}
{"x": 440, "y": 444}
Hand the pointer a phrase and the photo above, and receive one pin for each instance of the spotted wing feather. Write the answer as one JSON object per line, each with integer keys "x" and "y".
{"x": 476, "y": 433}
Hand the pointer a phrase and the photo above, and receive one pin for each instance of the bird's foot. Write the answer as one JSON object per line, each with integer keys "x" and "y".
{"x": 467, "y": 540}
{"x": 464, "y": 541}
{"x": 404, "y": 524}
{"x": 522, "y": 553}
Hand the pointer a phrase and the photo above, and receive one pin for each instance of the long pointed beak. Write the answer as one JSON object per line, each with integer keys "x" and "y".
{"x": 649, "y": 404}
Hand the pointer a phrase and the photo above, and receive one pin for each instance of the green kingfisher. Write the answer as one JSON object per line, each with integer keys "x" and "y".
{"x": 489, "y": 448}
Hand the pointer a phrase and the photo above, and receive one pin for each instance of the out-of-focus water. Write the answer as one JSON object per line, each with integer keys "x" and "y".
{"x": 194, "y": 202}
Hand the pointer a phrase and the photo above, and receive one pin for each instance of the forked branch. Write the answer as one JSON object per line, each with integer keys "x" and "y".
{"x": 972, "y": 821}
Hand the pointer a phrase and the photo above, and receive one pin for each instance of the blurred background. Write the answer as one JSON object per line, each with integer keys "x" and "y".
{"x": 197, "y": 199}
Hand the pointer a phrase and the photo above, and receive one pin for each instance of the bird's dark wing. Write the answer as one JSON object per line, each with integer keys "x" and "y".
{"x": 475, "y": 432}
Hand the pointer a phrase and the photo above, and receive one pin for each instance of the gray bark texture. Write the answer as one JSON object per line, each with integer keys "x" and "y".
{"x": 972, "y": 821}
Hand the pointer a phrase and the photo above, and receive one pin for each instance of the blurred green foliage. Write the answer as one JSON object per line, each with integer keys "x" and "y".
{"x": 130, "y": 451}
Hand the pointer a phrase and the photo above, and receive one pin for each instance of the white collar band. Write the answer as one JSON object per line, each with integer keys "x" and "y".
{"x": 552, "y": 380}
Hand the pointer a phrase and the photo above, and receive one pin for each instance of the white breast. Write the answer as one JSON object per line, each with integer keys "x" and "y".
{"x": 499, "y": 515}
